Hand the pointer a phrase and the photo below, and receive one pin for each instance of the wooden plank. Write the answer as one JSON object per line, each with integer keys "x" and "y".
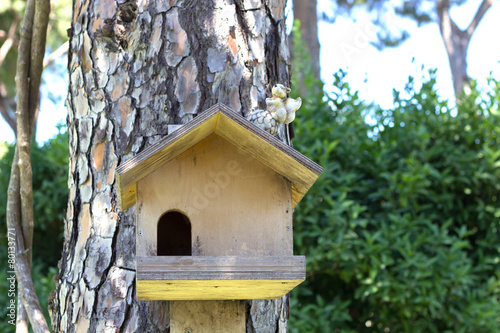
{"x": 126, "y": 196}
{"x": 221, "y": 268}
{"x": 219, "y": 275}
{"x": 207, "y": 317}
{"x": 297, "y": 194}
{"x": 217, "y": 278}
{"x": 265, "y": 262}
{"x": 213, "y": 289}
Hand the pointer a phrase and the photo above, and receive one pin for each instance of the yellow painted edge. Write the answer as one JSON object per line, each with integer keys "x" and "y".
{"x": 119, "y": 190}
{"x": 127, "y": 198}
{"x": 297, "y": 195}
{"x": 178, "y": 290}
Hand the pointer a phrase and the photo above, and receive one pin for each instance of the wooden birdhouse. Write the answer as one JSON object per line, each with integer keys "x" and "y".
{"x": 214, "y": 203}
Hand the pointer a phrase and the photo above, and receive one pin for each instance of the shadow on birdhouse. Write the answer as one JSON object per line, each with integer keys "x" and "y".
{"x": 214, "y": 203}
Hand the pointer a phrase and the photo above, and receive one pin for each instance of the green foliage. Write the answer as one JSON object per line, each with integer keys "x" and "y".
{"x": 60, "y": 16}
{"x": 401, "y": 230}
{"x": 50, "y": 191}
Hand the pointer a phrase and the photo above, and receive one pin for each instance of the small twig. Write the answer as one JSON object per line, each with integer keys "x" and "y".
{"x": 61, "y": 50}
{"x": 7, "y": 107}
{"x": 9, "y": 41}
{"x": 40, "y": 23}
{"x": 483, "y": 8}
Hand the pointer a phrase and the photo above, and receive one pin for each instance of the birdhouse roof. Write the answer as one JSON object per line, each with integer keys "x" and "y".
{"x": 231, "y": 126}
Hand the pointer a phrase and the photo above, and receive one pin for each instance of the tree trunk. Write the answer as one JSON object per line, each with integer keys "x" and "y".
{"x": 305, "y": 12}
{"x": 457, "y": 41}
{"x": 134, "y": 69}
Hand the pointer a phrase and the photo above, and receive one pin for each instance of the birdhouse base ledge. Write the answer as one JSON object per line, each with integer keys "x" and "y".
{"x": 218, "y": 277}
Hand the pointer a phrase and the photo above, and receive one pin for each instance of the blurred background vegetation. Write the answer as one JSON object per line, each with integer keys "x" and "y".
{"x": 401, "y": 231}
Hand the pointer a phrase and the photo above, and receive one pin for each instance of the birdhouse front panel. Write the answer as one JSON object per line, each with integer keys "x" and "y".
{"x": 235, "y": 205}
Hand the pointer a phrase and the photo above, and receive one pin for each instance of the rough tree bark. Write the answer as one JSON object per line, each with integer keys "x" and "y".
{"x": 136, "y": 67}
{"x": 457, "y": 41}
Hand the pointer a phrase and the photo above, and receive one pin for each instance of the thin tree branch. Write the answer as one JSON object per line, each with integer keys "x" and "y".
{"x": 29, "y": 297}
{"x": 6, "y": 116}
{"x": 35, "y": 119}
{"x": 7, "y": 108}
{"x": 25, "y": 283}
{"x": 22, "y": 96}
{"x": 13, "y": 222}
{"x": 22, "y": 109}
{"x": 483, "y": 8}
{"x": 61, "y": 50}
{"x": 40, "y": 23}
{"x": 3, "y": 37}
{"x": 9, "y": 41}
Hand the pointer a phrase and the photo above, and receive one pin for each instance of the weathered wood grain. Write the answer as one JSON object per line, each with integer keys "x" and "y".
{"x": 218, "y": 278}
{"x": 207, "y": 316}
{"x": 222, "y": 267}
{"x": 205, "y": 290}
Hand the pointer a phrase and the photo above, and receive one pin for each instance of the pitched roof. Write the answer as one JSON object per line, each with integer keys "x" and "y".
{"x": 221, "y": 120}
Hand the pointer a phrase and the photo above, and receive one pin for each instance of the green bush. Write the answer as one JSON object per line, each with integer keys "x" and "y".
{"x": 401, "y": 230}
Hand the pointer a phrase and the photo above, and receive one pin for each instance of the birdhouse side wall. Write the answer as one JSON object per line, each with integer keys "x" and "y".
{"x": 236, "y": 204}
